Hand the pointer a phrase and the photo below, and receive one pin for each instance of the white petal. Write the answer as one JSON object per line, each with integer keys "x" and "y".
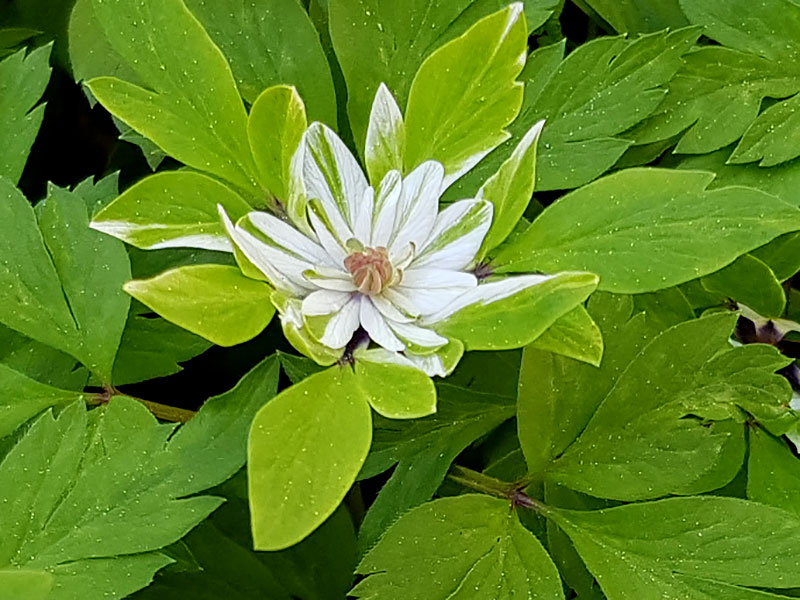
{"x": 283, "y": 271}
{"x": 456, "y": 236}
{"x": 339, "y": 284}
{"x": 332, "y": 246}
{"x": 389, "y": 310}
{"x": 438, "y": 278}
{"x": 385, "y": 135}
{"x": 486, "y": 293}
{"x": 421, "y": 336}
{"x": 377, "y": 328}
{"x": 385, "y": 210}
{"x": 324, "y": 302}
{"x": 331, "y": 173}
{"x": 283, "y": 234}
{"x": 467, "y": 164}
{"x": 421, "y": 301}
{"x": 430, "y": 364}
{"x": 362, "y": 222}
{"x": 418, "y": 205}
{"x": 342, "y": 325}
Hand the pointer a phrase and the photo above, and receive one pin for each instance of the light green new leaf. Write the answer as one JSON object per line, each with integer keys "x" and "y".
{"x": 397, "y": 44}
{"x": 22, "y": 81}
{"x": 173, "y": 209}
{"x": 672, "y": 422}
{"x": 22, "y": 398}
{"x": 424, "y": 449}
{"x": 396, "y": 391}
{"x": 517, "y": 319}
{"x": 466, "y": 547}
{"x": 510, "y": 190}
{"x": 643, "y": 230}
{"x": 574, "y": 335}
{"x": 268, "y": 43}
{"x": 461, "y": 99}
{"x": 590, "y": 100}
{"x": 773, "y": 472}
{"x": 699, "y": 548}
{"x": 190, "y": 107}
{"x": 305, "y": 450}
{"x": 25, "y": 583}
{"x": 276, "y": 125}
{"x": 62, "y": 285}
{"x": 637, "y": 16}
{"x": 216, "y": 302}
{"x": 751, "y": 282}
{"x": 90, "y": 498}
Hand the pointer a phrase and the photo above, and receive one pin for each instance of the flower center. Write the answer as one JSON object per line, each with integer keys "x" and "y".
{"x": 371, "y": 269}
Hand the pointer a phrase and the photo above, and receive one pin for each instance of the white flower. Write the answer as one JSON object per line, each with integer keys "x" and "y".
{"x": 386, "y": 259}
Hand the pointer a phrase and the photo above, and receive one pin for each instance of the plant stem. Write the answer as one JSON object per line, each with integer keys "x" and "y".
{"x": 161, "y": 411}
{"x": 511, "y": 491}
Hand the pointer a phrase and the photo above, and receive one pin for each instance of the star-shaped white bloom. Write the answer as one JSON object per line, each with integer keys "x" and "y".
{"x": 386, "y": 260}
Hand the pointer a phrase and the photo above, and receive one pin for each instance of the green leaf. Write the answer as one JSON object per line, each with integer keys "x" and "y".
{"x": 190, "y": 106}
{"x": 518, "y": 319}
{"x": 214, "y": 442}
{"x": 89, "y": 498}
{"x": 62, "y": 285}
{"x": 152, "y": 347}
{"x": 718, "y": 94}
{"x": 671, "y": 423}
{"x": 773, "y": 472}
{"x": 751, "y": 282}
{"x": 574, "y": 335}
{"x": 42, "y": 363}
{"x": 216, "y": 302}
{"x": 557, "y": 396}
{"x": 395, "y": 44}
{"x": 305, "y": 450}
{"x": 22, "y": 398}
{"x": 424, "y": 450}
{"x": 396, "y": 391}
{"x": 25, "y": 583}
{"x": 461, "y": 100}
{"x": 23, "y": 80}
{"x": 268, "y": 43}
{"x": 647, "y": 229}
{"x": 589, "y": 100}
{"x": 276, "y": 125}
{"x": 510, "y": 190}
{"x": 172, "y": 209}
{"x": 638, "y": 16}
{"x": 689, "y": 548}
{"x": 221, "y": 563}
{"x": 469, "y": 546}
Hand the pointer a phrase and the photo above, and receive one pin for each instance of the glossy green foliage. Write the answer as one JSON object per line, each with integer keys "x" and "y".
{"x": 420, "y": 346}
{"x": 216, "y": 302}
{"x": 647, "y": 229}
{"x": 294, "y": 486}
{"x": 23, "y": 78}
{"x": 492, "y": 555}
{"x": 62, "y": 284}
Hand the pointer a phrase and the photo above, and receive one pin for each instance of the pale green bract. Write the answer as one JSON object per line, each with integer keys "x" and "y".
{"x": 384, "y": 260}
